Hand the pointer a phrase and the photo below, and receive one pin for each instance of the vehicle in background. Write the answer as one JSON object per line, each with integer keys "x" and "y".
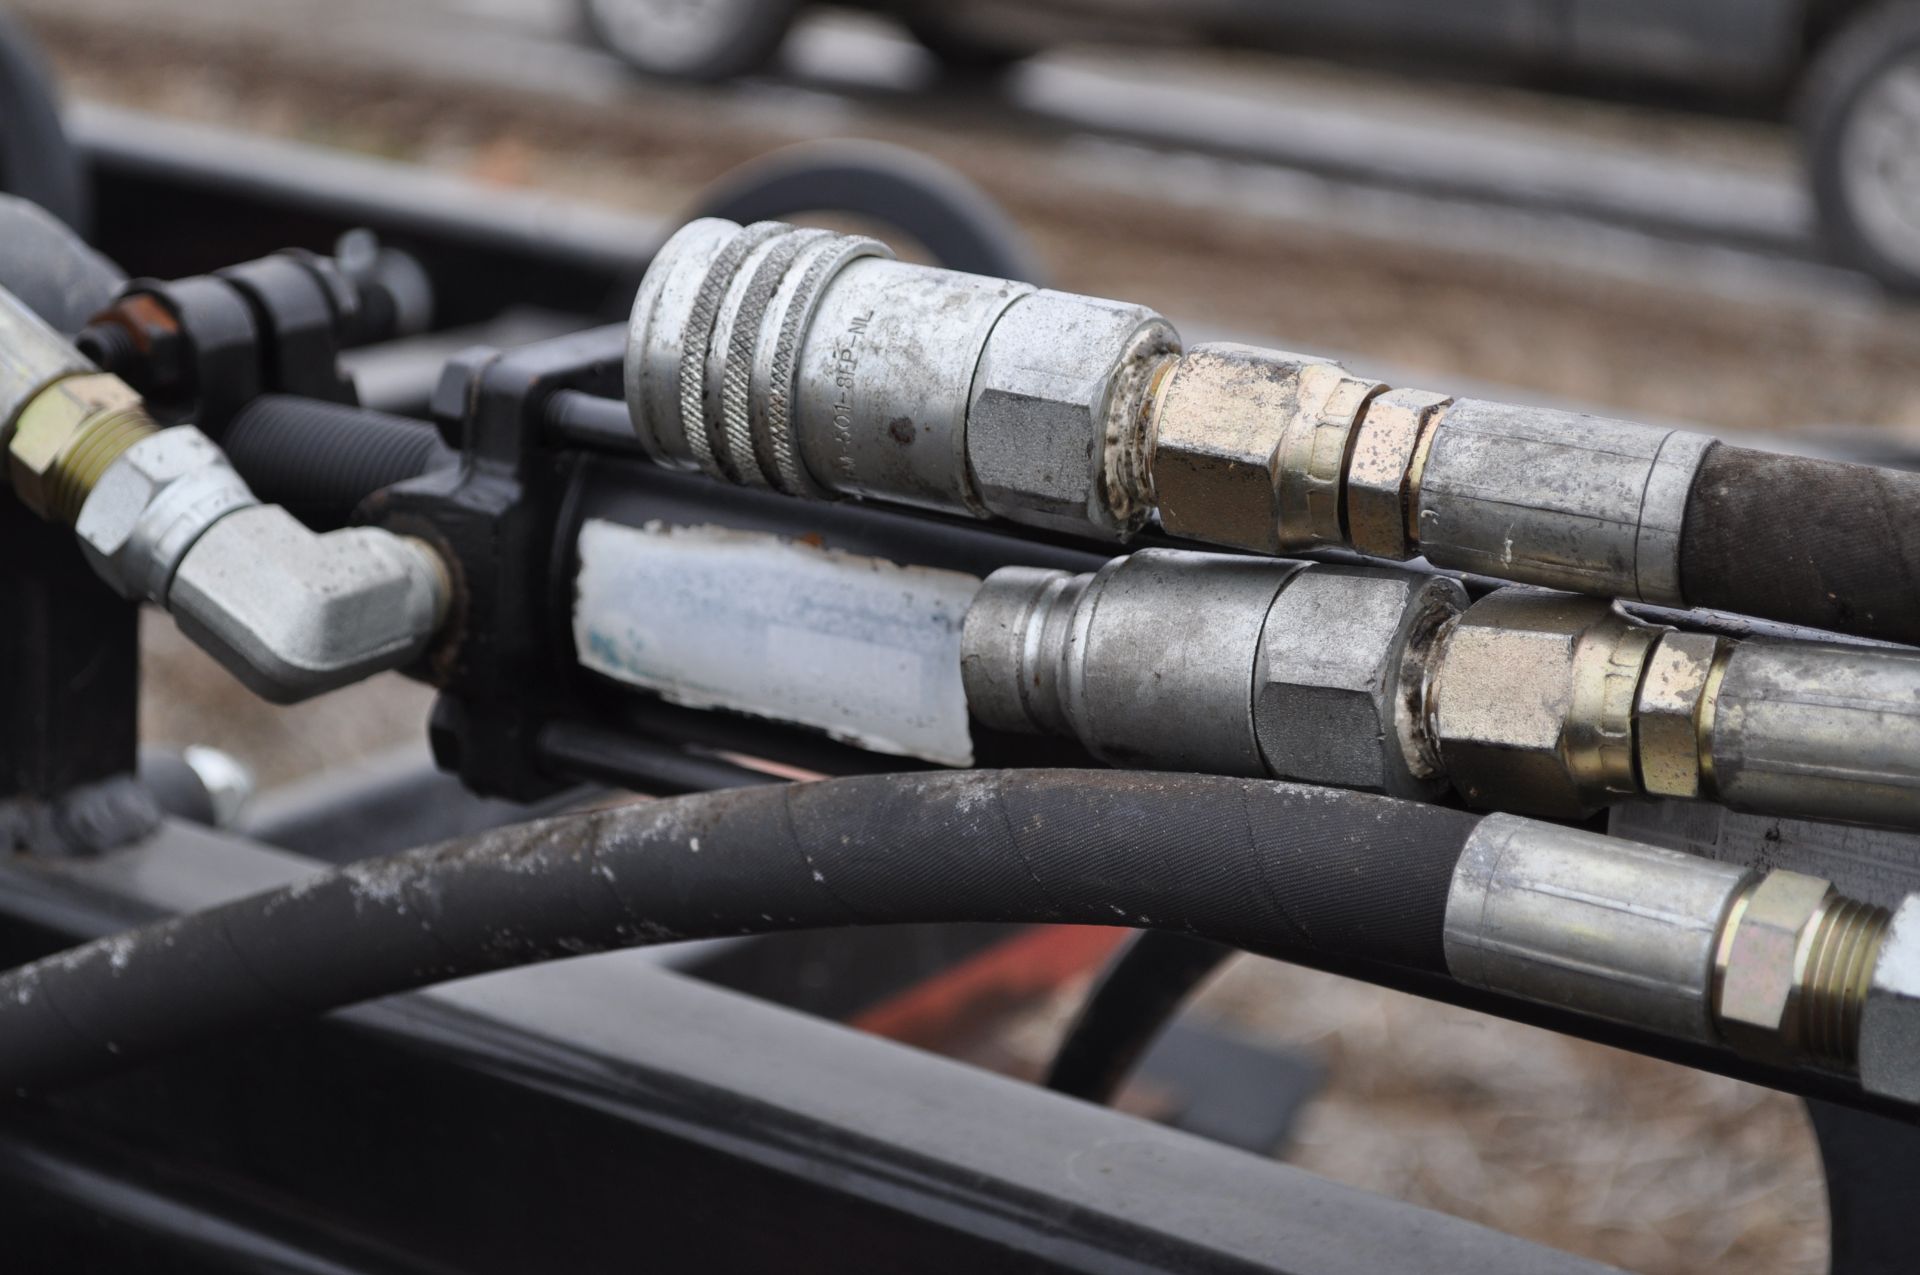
{"x": 1849, "y": 70}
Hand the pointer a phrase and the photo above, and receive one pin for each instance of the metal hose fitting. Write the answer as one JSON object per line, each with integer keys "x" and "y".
{"x": 1611, "y": 928}
{"x": 61, "y": 421}
{"x": 1303, "y": 671}
{"x": 1775, "y": 965}
{"x": 1792, "y": 968}
{"x": 1527, "y": 701}
{"x": 1530, "y": 703}
{"x": 817, "y": 365}
{"x": 814, "y": 364}
{"x": 162, "y": 517}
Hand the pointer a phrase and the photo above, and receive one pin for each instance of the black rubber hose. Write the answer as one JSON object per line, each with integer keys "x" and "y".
{"x": 51, "y": 269}
{"x": 1138, "y": 994}
{"x": 320, "y": 460}
{"x": 1816, "y": 542}
{"x": 1278, "y": 868}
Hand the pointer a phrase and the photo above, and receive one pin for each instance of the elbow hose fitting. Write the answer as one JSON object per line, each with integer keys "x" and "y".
{"x": 289, "y": 611}
{"x": 162, "y": 517}
{"x": 815, "y": 365}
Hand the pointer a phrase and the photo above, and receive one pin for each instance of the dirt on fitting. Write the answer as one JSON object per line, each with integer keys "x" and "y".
{"x": 1648, "y": 1166}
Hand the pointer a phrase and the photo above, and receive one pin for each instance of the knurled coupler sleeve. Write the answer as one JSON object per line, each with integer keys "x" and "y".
{"x": 1815, "y": 542}
{"x": 1271, "y": 867}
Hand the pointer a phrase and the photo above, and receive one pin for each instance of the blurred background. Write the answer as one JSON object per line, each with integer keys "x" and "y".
{"x": 1699, "y": 210}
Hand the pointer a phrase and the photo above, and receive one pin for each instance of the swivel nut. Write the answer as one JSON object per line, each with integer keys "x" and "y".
{"x": 1531, "y": 702}
{"x": 1249, "y": 446}
{"x": 1674, "y": 713}
{"x": 1380, "y": 476}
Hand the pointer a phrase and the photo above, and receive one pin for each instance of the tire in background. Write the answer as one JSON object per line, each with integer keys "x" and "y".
{"x": 964, "y": 49}
{"x": 1860, "y": 125}
{"x": 956, "y": 222}
{"x": 700, "y": 41}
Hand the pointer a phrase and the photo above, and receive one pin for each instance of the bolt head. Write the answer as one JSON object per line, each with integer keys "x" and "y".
{"x": 1760, "y": 960}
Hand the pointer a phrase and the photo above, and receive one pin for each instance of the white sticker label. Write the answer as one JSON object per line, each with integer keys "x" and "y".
{"x": 864, "y": 649}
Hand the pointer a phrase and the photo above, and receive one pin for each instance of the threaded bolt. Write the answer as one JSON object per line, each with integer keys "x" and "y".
{"x": 110, "y": 346}
{"x": 96, "y": 445}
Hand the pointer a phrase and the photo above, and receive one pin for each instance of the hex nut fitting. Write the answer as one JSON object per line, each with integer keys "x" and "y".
{"x": 1667, "y": 713}
{"x": 67, "y": 436}
{"x": 1312, "y": 460}
{"x": 1226, "y": 420}
{"x": 1531, "y": 702}
{"x": 1050, "y": 398}
{"x": 1379, "y": 476}
{"x": 1758, "y": 967}
{"x": 1336, "y": 683}
{"x": 1793, "y": 970}
{"x": 150, "y": 506}
{"x": 1889, "y": 1038}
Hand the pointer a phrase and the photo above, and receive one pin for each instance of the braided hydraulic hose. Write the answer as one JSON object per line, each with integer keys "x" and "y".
{"x": 1814, "y": 542}
{"x": 1270, "y": 867}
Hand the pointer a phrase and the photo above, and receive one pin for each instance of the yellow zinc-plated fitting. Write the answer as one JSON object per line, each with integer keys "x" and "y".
{"x": 1792, "y": 969}
{"x": 67, "y": 435}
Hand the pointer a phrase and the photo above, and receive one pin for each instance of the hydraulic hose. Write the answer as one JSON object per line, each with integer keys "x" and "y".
{"x": 1816, "y": 542}
{"x": 1271, "y": 867}
{"x": 817, "y": 366}
{"x": 1139, "y": 993}
{"x": 50, "y": 268}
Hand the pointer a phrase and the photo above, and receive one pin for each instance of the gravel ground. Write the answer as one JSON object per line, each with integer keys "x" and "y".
{"x": 1634, "y": 1162}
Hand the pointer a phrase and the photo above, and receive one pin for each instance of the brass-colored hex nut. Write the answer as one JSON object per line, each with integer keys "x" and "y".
{"x": 1760, "y": 967}
{"x": 1313, "y": 455}
{"x": 1216, "y": 431}
{"x": 1667, "y": 713}
{"x": 1248, "y": 446}
{"x": 67, "y": 436}
{"x": 1387, "y": 439}
{"x": 1531, "y": 705}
